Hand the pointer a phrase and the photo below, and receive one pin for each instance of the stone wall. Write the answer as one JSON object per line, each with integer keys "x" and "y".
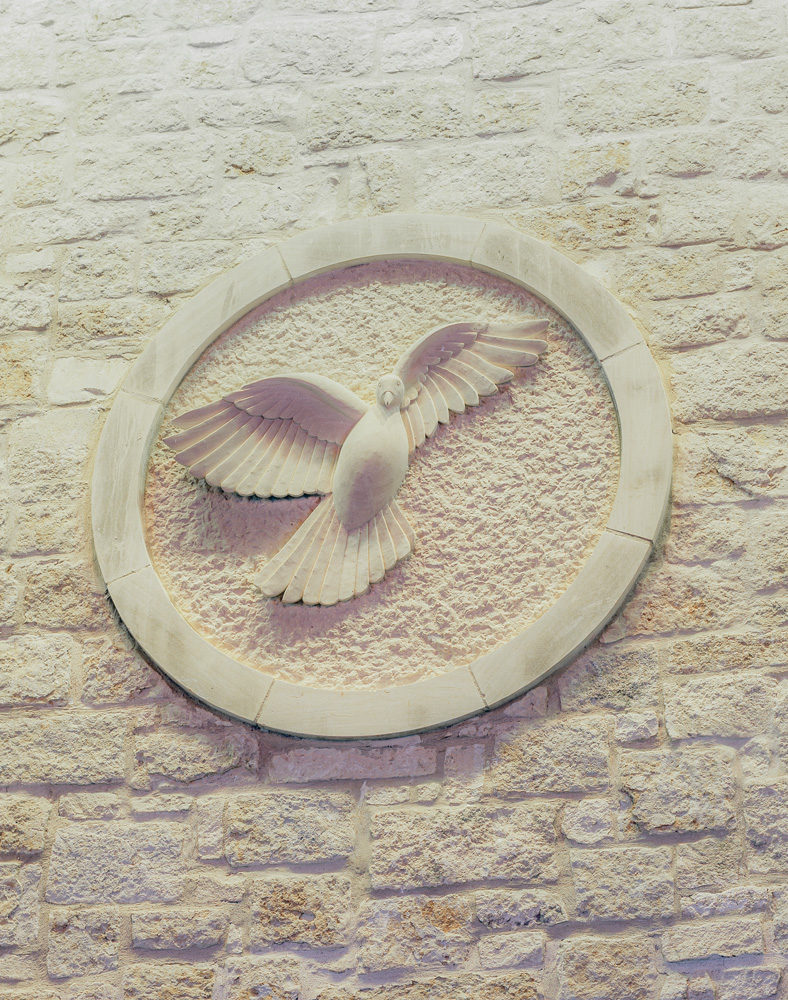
{"x": 620, "y": 833}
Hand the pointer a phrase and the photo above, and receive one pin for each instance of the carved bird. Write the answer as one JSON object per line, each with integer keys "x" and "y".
{"x": 295, "y": 434}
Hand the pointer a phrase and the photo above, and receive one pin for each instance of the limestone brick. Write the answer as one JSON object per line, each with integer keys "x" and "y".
{"x": 421, "y": 48}
{"x": 69, "y": 749}
{"x": 463, "y": 986}
{"x": 734, "y": 936}
{"x": 63, "y": 593}
{"x": 755, "y": 983}
{"x": 241, "y": 978}
{"x": 23, "y": 309}
{"x": 333, "y": 763}
{"x": 607, "y": 968}
{"x": 710, "y": 862}
{"x": 259, "y": 152}
{"x": 729, "y": 706}
{"x": 19, "y": 906}
{"x": 189, "y": 756}
{"x": 415, "y": 931}
{"x": 741, "y": 899}
{"x": 83, "y": 942}
{"x": 502, "y": 951}
{"x": 312, "y": 911}
{"x": 168, "y": 982}
{"x": 635, "y": 727}
{"x": 90, "y": 805}
{"x": 300, "y": 827}
{"x": 23, "y": 824}
{"x": 466, "y": 844}
{"x": 178, "y": 928}
{"x": 294, "y": 49}
{"x": 505, "y": 111}
{"x": 610, "y": 678}
{"x": 623, "y": 883}
{"x": 115, "y": 674}
{"x": 733, "y": 31}
{"x": 116, "y": 862}
{"x": 513, "y": 909}
{"x": 35, "y": 669}
{"x": 764, "y": 811}
{"x": 82, "y": 380}
{"x": 683, "y": 790}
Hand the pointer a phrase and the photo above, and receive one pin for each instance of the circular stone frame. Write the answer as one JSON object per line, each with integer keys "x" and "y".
{"x": 548, "y": 643}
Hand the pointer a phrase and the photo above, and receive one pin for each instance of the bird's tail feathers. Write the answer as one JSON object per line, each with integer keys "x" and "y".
{"x": 324, "y": 563}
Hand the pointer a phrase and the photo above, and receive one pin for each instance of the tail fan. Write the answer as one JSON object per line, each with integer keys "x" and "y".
{"x": 324, "y": 563}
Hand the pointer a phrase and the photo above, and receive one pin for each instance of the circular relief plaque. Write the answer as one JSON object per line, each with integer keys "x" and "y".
{"x": 228, "y": 683}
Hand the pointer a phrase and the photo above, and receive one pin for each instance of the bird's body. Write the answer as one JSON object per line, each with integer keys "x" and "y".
{"x": 291, "y": 435}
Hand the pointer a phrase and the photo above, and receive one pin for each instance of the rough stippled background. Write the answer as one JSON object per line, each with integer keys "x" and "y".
{"x": 618, "y": 834}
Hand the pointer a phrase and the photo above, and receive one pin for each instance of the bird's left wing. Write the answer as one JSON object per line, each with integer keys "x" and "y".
{"x": 451, "y": 367}
{"x": 276, "y": 437}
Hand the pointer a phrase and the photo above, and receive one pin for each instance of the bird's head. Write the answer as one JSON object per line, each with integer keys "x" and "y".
{"x": 390, "y": 392}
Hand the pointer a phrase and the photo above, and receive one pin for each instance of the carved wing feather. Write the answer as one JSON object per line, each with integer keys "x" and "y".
{"x": 277, "y": 437}
{"x": 450, "y": 368}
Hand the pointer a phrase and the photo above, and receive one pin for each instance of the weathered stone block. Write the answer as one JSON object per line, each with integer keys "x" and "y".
{"x": 596, "y": 169}
{"x": 287, "y": 828}
{"x": 311, "y": 911}
{"x": 564, "y": 755}
{"x": 733, "y": 31}
{"x": 695, "y": 324}
{"x": 420, "y": 49}
{"x": 19, "y": 907}
{"x": 168, "y": 982}
{"x": 607, "y": 968}
{"x": 508, "y": 951}
{"x": 735, "y": 936}
{"x": 740, "y": 899}
{"x": 607, "y": 678}
{"x": 765, "y": 808}
{"x": 243, "y": 978}
{"x": 295, "y": 49}
{"x": 419, "y": 930}
{"x": 464, "y": 986}
{"x": 82, "y": 942}
{"x": 708, "y": 863}
{"x": 731, "y": 651}
{"x": 189, "y": 756}
{"x": 62, "y": 594}
{"x": 513, "y": 909}
{"x": 23, "y": 823}
{"x": 501, "y": 111}
{"x": 588, "y": 821}
{"x": 90, "y": 805}
{"x": 636, "y": 726}
{"x": 623, "y": 883}
{"x": 49, "y": 449}
{"x": 727, "y": 706}
{"x": 99, "y": 271}
{"x": 82, "y": 380}
{"x": 339, "y": 763}
{"x": 444, "y": 846}
{"x": 116, "y": 862}
{"x": 114, "y": 673}
{"x": 52, "y": 748}
{"x": 680, "y": 790}
{"x": 754, "y": 983}
{"x": 106, "y": 169}
{"x": 354, "y": 115}
{"x": 256, "y": 152}
{"x": 179, "y": 928}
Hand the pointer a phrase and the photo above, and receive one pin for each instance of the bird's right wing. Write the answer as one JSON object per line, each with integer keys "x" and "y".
{"x": 276, "y": 437}
{"x": 451, "y": 367}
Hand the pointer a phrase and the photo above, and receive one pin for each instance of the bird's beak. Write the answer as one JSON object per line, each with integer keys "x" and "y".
{"x": 388, "y": 398}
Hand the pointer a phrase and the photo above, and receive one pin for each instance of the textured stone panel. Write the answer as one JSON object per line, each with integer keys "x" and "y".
{"x": 23, "y": 823}
{"x": 680, "y": 790}
{"x": 734, "y": 706}
{"x": 604, "y": 678}
{"x": 464, "y": 986}
{"x": 415, "y": 931}
{"x": 331, "y": 763}
{"x": 512, "y": 909}
{"x": 168, "y": 982}
{"x": 35, "y": 669}
{"x": 178, "y": 928}
{"x": 735, "y": 936}
{"x": 623, "y": 883}
{"x": 505, "y": 951}
{"x": 19, "y": 907}
{"x": 189, "y": 756}
{"x": 287, "y": 828}
{"x": 443, "y": 846}
{"x": 83, "y": 942}
{"x": 310, "y": 911}
{"x": 726, "y": 382}
{"x": 565, "y": 755}
{"x": 116, "y": 862}
{"x": 606, "y": 968}
{"x": 765, "y": 808}
{"x": 243, "y": 978}
{"x": 75, "y": 750}
{"x": 712, "y": 863}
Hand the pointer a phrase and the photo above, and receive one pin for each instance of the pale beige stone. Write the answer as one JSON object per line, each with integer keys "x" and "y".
{"x": 21, "y": 370}
{"x": 148, "y": 805}
{"x": 242, "y": 978}
{"x": 333, "y": 763}
{"x": 596, "y": 169}
{"x": 742, "y": 899}
{"x": 513, "y": 909}
{"x": 420, "y": 49}
{"x": 49, "y": 449}
{"x": 90, "y": 805}
{"x": 740, "y": 32}
{"x": 64, "y": 593}
{"x": 503, "y": 111}
{"x": 566, "y": 755}
{"x": 178, "y": 928}
{"x": 189, "y": 756}
{"x": 168, "y": 982}
{"x": 36, "y": 669}
{"x": 83, "y": 942}
{"x": 445, "y": 846}
{"x": 101, "y": 270}
{"x": 310, "y": 911}
{"x": 23, "y": 824}
{"x": 635, "y": 727}
{"x": 116, "y": 862}
{"x": 727, "y": 706}
{"x": 611, "y": 678}
{"x": 116, "y": 326}
{"x": 623, "y": 883}
{"x": 293, "y": 50}
{"x": 71, "y": 749}
{"x": 694, "y": 324}
{"x": 502, "y": 951}
{"x": 730, "y": 651}
{"x": 764, "y": 811}
{"x": 299, "y": 827}
{"x": 115, "y": 673}
{"x": 680, "y": 789}
{"x": 82, "y": 380}
{"x": 403, "y": 933}
{"x": 734, "y": 936}
{"x": 462, "y": 986}
{"x": 588, "y": 821}
{"x": 709, "y": 863}
{"x": 19, "y": 906}
{"x": 700, "y": 535}
{"x": 756, "y": 982}
{"x": 592, "y": 226}
{"x": 108, "y": 170}
{"x": 607, "y": 968}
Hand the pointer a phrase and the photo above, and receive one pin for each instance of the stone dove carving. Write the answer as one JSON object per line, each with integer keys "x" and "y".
{"x": 294, "y": 434}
